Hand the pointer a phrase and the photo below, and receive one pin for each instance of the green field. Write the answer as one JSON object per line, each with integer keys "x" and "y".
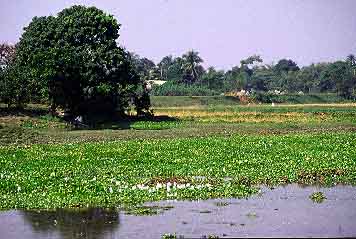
{"x": 194, "y": 151}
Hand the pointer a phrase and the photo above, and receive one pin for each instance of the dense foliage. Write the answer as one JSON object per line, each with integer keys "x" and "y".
{"x": 10, "y": 92}
{"x": 72, "y": 60}
{"x": 175, "y": 89}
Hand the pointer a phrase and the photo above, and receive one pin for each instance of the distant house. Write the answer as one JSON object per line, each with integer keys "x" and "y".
{"x": 156, "y": 82}
{"x": 151, "y": 83}
{"x": 277, "y": 92}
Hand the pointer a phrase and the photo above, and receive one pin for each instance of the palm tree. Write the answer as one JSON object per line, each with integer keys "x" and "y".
{"x": 164, "y": 66}
{"x": 351, "y": 60}
{"x": 191, "y": 66}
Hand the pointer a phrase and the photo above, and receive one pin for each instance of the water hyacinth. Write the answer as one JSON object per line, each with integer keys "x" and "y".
{"x": 159, "y": 186}
{"x": 48, "y": 176}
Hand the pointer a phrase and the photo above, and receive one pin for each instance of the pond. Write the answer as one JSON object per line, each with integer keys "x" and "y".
{"x": 285, "y": 211}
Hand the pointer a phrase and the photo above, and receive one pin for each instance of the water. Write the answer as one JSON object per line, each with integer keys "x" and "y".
{"x": 281, "y": 212}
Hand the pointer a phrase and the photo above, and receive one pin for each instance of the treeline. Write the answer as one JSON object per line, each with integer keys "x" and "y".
{"x": 72, "y": 62}
{"x": 185, "y": 75}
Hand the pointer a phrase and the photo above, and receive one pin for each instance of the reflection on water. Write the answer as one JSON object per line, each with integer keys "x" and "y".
{"x": 281, "y": 212}
{"x": 80, "y": 223}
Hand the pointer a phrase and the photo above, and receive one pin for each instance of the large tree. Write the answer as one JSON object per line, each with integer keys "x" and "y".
{"x": 233, "y": 79}
{"x": 338, "y": 76}
{"x": 7, "y": 54}
{"x": 262, "y": 78}
{"x": 308, "y": 78}
{"x": 74, "y": 61}
{"x": 143, "y": 66}
{"x": 286, "y": 65}
{"x": 176, "y": 71}
{"x": 247, "y": 69}
{"x": 213, "y": 79}
{"x": 12, "y": 91}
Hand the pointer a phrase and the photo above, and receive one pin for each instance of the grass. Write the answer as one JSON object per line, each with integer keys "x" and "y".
{"x": 184, "y": 101}
{"x": 182, "y": 153}
{"x": 35, "y": 127}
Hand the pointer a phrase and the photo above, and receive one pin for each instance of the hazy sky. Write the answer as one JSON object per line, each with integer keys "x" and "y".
{"x": 223, "y": 31}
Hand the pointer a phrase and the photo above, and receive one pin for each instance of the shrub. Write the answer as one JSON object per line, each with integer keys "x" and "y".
{"x": 172, "y": 89}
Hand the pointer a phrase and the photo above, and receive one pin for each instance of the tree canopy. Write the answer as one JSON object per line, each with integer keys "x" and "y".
{"x": 73, "y": 60}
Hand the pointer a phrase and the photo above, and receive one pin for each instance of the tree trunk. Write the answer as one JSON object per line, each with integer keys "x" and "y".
{"x": 52, "y": 109}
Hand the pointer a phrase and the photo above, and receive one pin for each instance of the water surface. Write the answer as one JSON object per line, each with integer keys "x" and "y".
{"x": 282, "y": 212}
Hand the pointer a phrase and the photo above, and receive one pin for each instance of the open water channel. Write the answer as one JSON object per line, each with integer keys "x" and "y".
{"x": 281, "y": 212}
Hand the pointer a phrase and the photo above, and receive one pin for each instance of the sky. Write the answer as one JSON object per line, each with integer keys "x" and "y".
{"x": 222, "y": 31}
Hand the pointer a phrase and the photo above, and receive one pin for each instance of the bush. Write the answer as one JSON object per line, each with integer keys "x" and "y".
{"x": 172, "y": 89}
{"x": 264, "y": 97}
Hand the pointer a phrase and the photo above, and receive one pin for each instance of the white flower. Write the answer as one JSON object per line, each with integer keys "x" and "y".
{"x": 142, "y": 187}
{"x": 110, "y": 190}
{"x": 180, "y": 186}
{"x": 158, "y": 186}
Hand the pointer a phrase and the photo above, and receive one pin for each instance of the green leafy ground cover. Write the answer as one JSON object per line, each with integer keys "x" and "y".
{"x": 194, "y": 152}
{"x": 131, "y": 172}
